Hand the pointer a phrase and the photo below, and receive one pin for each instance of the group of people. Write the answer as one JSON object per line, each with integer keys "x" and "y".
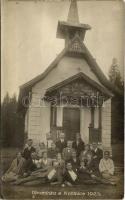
{"x": 65, "y": 163}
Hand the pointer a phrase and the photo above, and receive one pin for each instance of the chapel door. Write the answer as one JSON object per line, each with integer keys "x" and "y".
{"x": 71, "y": 122}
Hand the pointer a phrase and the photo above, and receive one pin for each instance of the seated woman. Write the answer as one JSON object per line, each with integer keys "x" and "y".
{"x": 85, "y": 152}
{"x": 106, "y": 168}
{"x": 75, "y": 161}
{"x": 15, "y": 170}
{"x": 70, "y": 176}
{"x": 45, "y": 161}
{"x": 55, "y": 176}
{"x": 41, "y": 148}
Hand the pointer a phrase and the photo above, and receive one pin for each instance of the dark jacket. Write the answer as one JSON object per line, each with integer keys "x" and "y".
{"x": 75, "y": 164}
{"x": 27, "y": 152}
{"x": 61, "y": 145}
{"x": 68, "y": 178}
{"x": 80, "y": 147}
{"x": 67, "y": 153}
{"x": 29, "y": 166}
{"x": 52, "y": 153}
{"x": 98, "y": 154}
{"x": 93, "y": 167}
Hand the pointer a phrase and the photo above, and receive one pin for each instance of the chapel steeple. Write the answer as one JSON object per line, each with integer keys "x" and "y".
{"x": 67, "y": 30}
{"x": 73, "y": 16}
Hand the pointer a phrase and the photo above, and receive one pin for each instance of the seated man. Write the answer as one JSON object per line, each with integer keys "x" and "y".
{"x": 70, "y": 176}
{"x": 89, "y": 168}
{"x": 28, "y": 149}
{"x": 67, "y": 152}
{"x": 84, "y": 174}
{"x": 75, "y": 161}
{"x": 52, "y": 151}
{"x": 15, "y": 170}
{"x": 106, "y": 166}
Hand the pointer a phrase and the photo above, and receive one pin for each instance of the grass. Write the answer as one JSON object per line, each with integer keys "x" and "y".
{"x": 99, "y": 191}
{"x": 87, "y": 191}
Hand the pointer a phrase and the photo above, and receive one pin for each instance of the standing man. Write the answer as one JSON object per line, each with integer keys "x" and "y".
{"x": 97, "y": 153}
{"x": 67, "y": 152}
{"x": 78, "y": 144}
{"x": 61, "y": 143}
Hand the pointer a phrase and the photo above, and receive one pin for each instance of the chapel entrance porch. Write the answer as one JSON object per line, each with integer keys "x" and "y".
{"x": 76, "y": 119}
{"x": 76, "y": 106}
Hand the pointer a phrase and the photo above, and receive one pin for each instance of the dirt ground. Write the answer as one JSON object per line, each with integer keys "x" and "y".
{"x": 98, "y": 191}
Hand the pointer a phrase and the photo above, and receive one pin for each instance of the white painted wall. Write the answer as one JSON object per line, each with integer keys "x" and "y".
{"x": 39, "y": 122}
{"x": 106, "y": 125}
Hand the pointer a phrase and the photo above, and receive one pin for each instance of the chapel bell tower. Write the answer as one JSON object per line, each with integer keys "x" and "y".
{"x": 69, "y": 29}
